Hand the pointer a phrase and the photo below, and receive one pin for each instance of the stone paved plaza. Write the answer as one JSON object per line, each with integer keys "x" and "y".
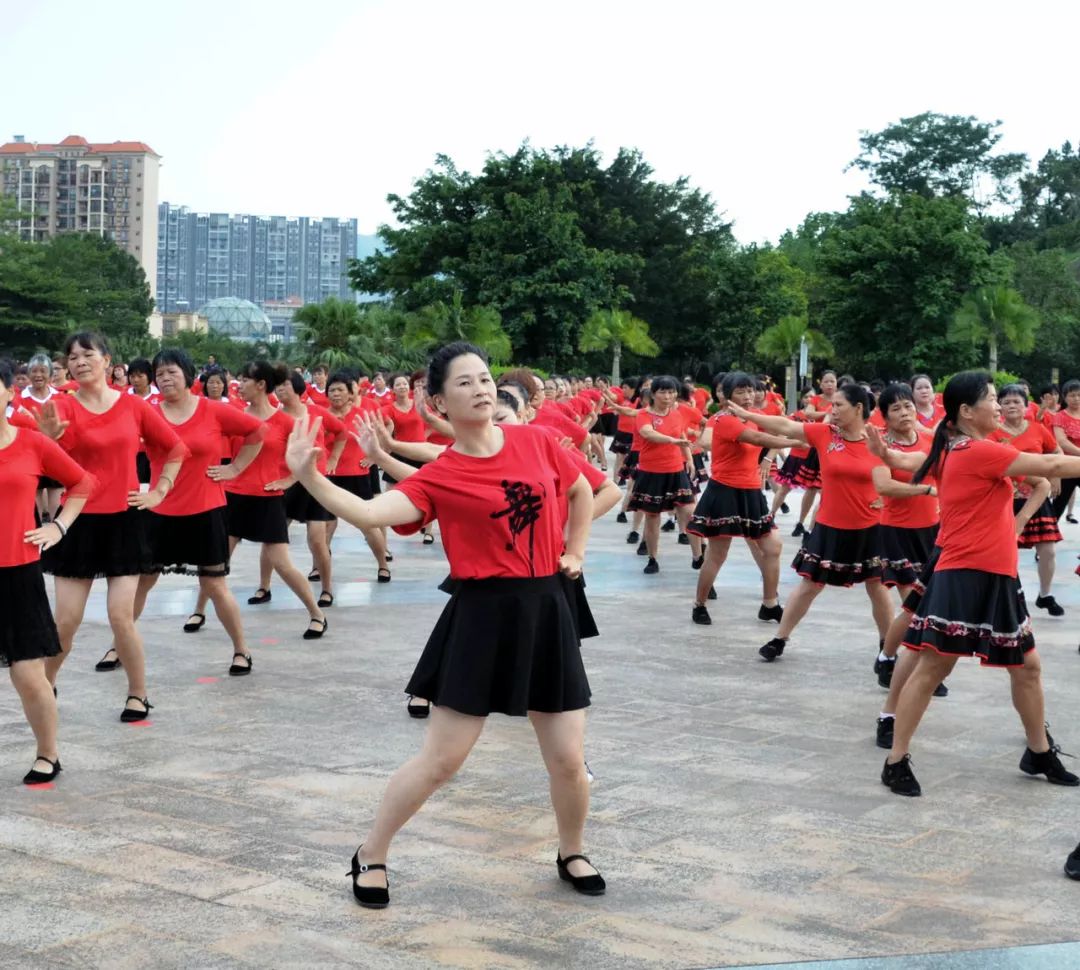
{"x": 737, "y": 813}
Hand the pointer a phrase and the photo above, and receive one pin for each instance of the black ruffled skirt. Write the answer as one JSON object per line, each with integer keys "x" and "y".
{"x": 28, "y": 631}
{"x": 621, "y": 441}
{"x": 970, "y": 613}
{"x": 358, "y": 485}
{"x": 101, "y": 544}
{"x": 727, "y": 511}
{"x": 660, "y": 491}
{"x": 190, "y": 545}
{"x": 506, "y": 646}
{"x": 257, "y": 518}
{"x": 301, "y": 507}
{"x": 788, "y": 473}
{"x": 840, "y": 557}
{"x": 904, "y": 553}
{"x": 628, "y": 469}
{"x": 809, "y": 473}
{"x": 1041, "y": 527}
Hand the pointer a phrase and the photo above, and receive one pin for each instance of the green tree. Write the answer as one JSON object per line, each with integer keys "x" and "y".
{"x": 992, "y": 315}
{"x": 612, "y": 331}
{"x": 782, "y": 344}
{"x": 440, "y": 323}
{"x": 327, "y": 329}
{"x": 939, "y": 155}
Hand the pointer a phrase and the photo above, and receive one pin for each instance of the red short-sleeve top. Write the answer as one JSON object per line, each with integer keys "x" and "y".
{"x": 847, "y": 486}
{"x": 919, "y": 511}
{"x": 734, "y": 463}
{"x": 661, "y": 457}
{"x": 269, "y": 464}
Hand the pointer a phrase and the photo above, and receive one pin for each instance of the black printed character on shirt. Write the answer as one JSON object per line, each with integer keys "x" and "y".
{"x": 523, "y": 508}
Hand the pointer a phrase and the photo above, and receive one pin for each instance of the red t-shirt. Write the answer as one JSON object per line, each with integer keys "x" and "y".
{"x": 628, "y": 422}
{"x": 106, "y": 445}
{"x": 734, "y": 463}
{"x": 978, "y": 528}
{"x": 847, "y": 486}
{"x": 29, "y": 456}
{"x": 408, "y": 425}
{"x": 1035, "y": 439}
{"x": 269, "y": 464}
{"x": 349, "y": 462}
{"x": 499, "y": 516}
{"x": 693, "y": 418}
{"x": 1069, "y": 424}
{"x": 615, "y": 392}
{"x": 662, "y": 458}
{"x": 204, "y": 434}
{"x": 930, "y": 422}
{"x": 314, "y": 396}
{"x": 549, "y": 413}
{"x": 799, "y": 452}
{"x": 820, "y": 404}
{"x": 701, "y": 398}
{"x": 919, "y": 511}
{"x": 330, "y": 430}
{"x": 32, "y": 404}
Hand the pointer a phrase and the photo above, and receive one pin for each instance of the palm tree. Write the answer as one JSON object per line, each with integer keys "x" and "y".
{"x": 327, "y": 328}
{"x": 782, "y": 343}
{"x": 615, "y": 330}
{"x": 992, "y": 314}
{"x": 440, "y": 323}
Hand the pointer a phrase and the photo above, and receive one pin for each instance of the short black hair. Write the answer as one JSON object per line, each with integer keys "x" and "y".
{"x": 1069, "y": 386}
{"x": 88, "y": 340}
{"x": 1013, "y": 390}
{"x": 177, "y": 357}
{"x": 6, "y": 374}
{"x": 735, "y": 379}
{"x": 891, "y": 394}
{"x": 262, "y": 370}
{"x": 441, "y": 360}
{"x": 299, "y": 385}
{"x": 214, "y": 372}
{"x": 140, "y": 365}
{"x": 340, "y": 377}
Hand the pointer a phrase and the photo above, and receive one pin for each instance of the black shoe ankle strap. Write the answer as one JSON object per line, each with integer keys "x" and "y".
{"x": 573, "y": 858}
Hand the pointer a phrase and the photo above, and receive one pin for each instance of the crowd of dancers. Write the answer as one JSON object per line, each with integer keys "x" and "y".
{"x": 123, "y": 473}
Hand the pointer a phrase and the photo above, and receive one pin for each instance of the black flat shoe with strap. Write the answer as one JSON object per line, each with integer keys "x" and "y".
{"x": 129, "y": 715}
{"x": 373, "y": 897}
{"x": 195, "y": 627}
{"x": 418, "y": 710}
{"x": 34, "y": 777}
{"x": 590, "y": 885}
{"x": 261, "y": 596}
{"x": 105, "y": 664}
{"x": 310, "y": 634}
{"x": 383, "y": 576}
{"x": 240, "y": 670}
{"x": 326, "y": 599}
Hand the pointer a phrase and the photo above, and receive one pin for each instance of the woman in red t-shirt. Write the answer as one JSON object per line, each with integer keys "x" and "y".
{"x": 28, "y": 634}
{"x": 1066, "y": 425}
{"x": 928, "y": 410}
{"x": 733, "y": 504}
{"x": 844, "y": 547}
{"x": 623, "y": 431}
{"x": 33, "y": 398}
{"x": 973, "y": 605}
{"x": 1041, "y": 532}
{"x": 809, "y": 475}
{"x": 255, "y": 496}
{"x": 662, "y": 476}
{"x": 626, "y": 464}
{"x": 354, "y": 471}
{"x": 787, "y": 476}
{"x": 103, "y": 429}
{"x": 189, "y": 532}
{"x": 506, "y": 641}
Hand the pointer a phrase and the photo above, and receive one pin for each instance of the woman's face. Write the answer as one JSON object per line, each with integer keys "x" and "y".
{"x": 251, "y": 389}
{"x": 285, "y": 394}
{"x": 1072, "y": 400}
{"x": 1049, "y": 400}
{"x": 39, "y": 378}
{"x": 665, "y": 399}
{"x": 6, "y": 394}
{"x": 845, "y": 414}
{"x": 140, "y": 382}
{"x": 379, "y": 383}
{"x": 401, "y": 388}
{"x": 119, "y": 374}
{"x": 215, "y": 387}
{"x": 901, "y": 417}
{"x": 468, "y": 392}
{"x": 59, "y": 375}
{"x": 550, "y": 389}
{"x": 339, "y": 395}
{"x": 759, "y": 397}
{"x": 985, "y": 415}
{"x": 87, "y": 365}
{"x": 742, "y": 396}
{"x": 828, "y": 384}
{"x": 170, "y": 381}
{"x": 923, "y": 391}
{"x": 1012, "y": 408}
{"x": 504, "y": 414}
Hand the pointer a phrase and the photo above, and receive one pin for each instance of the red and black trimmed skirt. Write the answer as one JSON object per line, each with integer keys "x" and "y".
{"x": 1041, "y": 527}
{"x": 257, "y": 518}
{"x": 809, "y": 473}
{"x": 840, "y": 557}
{"x": 189, "y": 545}
{"x": 918, "y": 588}
{"x": 620, "y": 442}
{"x": 504, "y": 646}
{"x": 101, "y": 544}
{"x": 971, "y": 613}
{"x": 904, "y": 553}
{"x": 29, "y": 631}
{"x": 788, "y": 473}
{"x": 726, "y": 511}
{"x": 660, "y": 491}
{"x": 628, "y": 469}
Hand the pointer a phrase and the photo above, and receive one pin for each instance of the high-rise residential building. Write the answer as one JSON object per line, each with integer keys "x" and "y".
{"x": 79, "y": 186}
{"x": 264, "y": 259}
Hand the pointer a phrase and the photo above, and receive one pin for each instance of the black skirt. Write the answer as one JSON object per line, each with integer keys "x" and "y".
{"x": 358, "y": 485}
{"x": 621, "y": 441}
{"x": 904, "y": 553}
{"x": 788, "y": 474}
{"x": 970, "y": 613}
{"x": 45, "y": 482}
{"x": 809, "y": 474}
{"x": 700, "y": 474}
{"x": 142, "y": 468}
{"x": 1041, "y": 527}
{"x": 28, "y": 632}
{"x": 628, "y": 469}
{"x": 727, "y": 511}
{"x": 189, "y": 545}
{"x": 918, "y": 588}
{"x": 101, "y": 544}
{"x": 257, "y": 518}
{"x": 608, "y": 424}
{"x": 301, "y": 507}
{"x": 840, "y": 557}
{"x": 504, "y": 646}
{"x": 375, "y": 477}
{"x": 660, "y": 491}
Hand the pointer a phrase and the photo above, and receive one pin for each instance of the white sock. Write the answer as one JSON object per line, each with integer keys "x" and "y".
{"x": 883, "y": 716}
{"x": 883, "y": 656}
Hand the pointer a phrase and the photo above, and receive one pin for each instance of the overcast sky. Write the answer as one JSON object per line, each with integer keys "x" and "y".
{"x": 322, "y": 107}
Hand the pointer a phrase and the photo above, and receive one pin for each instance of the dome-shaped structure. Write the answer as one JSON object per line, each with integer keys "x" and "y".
{"x": 236, "y": 318}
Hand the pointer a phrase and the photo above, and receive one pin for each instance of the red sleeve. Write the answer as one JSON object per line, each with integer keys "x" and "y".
{"x": 333, "y": 427}
{"x": 726, "y": 428}
{"x": 643, "y": 418}
{"x": 1049, "y": 442}
{"x": 20, "y": 419}
{"x": 57, "y": 464}
{"x": 818, "y": 435}
{"x": 239, "y": 424}
{"x": 416, "y": 489}
{"x": 593, "y": 475}
{"x": 157, "y": 432}
{"x": 994, "y": 458}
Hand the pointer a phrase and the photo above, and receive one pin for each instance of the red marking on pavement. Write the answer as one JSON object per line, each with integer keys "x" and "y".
{"x": 140, "y": 723}
{"x": 41, "y": 784}
{"x": 268, "y": 641}
{"x": 206, "y": 680}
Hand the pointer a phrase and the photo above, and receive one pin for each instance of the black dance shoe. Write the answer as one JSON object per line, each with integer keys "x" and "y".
{"x": 105, "y": 664}
{"x": 240, "y": 670}
{"x": 591, "y": 885}
{"x": 313, "y": 576}
{"x": 712, "y": 593}
{"x": 310, "y": 634}
{"x": 1048, "y": 763}
{"x": 885, "y": 727}
{"x": 697, "y": 563}
{"x": 768, "y": 613}
{"x": 1051, "y": 605}
{"x": 632, "y": 537}
{"x": 373, "y": 897}
{"x": 33, "y": 777}
{"x": 621, "y": 518}
{"x": 900, "y": 779}
{"x": 1071, "y": 519}
{"x": 700, "y": 615}
{"x": 651, "y": 567}
{"x": 1072, "y": 864}
{"x": 884, "y": 670}
{"x": 684, "y": 539}
{"x": 325, "y": 599}
{"x": 383, "y": 575}
{"x": 129, "y": 715}
{"x": 941, "y": 690}
{"x": 642, "y": 549}
{"x": 418, "y": 710}
{"x": 195, "y": 627}
{"x": 784, "y": 508}
{"x": 668, "y": 526}
{"x": 261, "y": 596}
{"x": 798, "y": 530}
{"x": 773, "y": 649}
